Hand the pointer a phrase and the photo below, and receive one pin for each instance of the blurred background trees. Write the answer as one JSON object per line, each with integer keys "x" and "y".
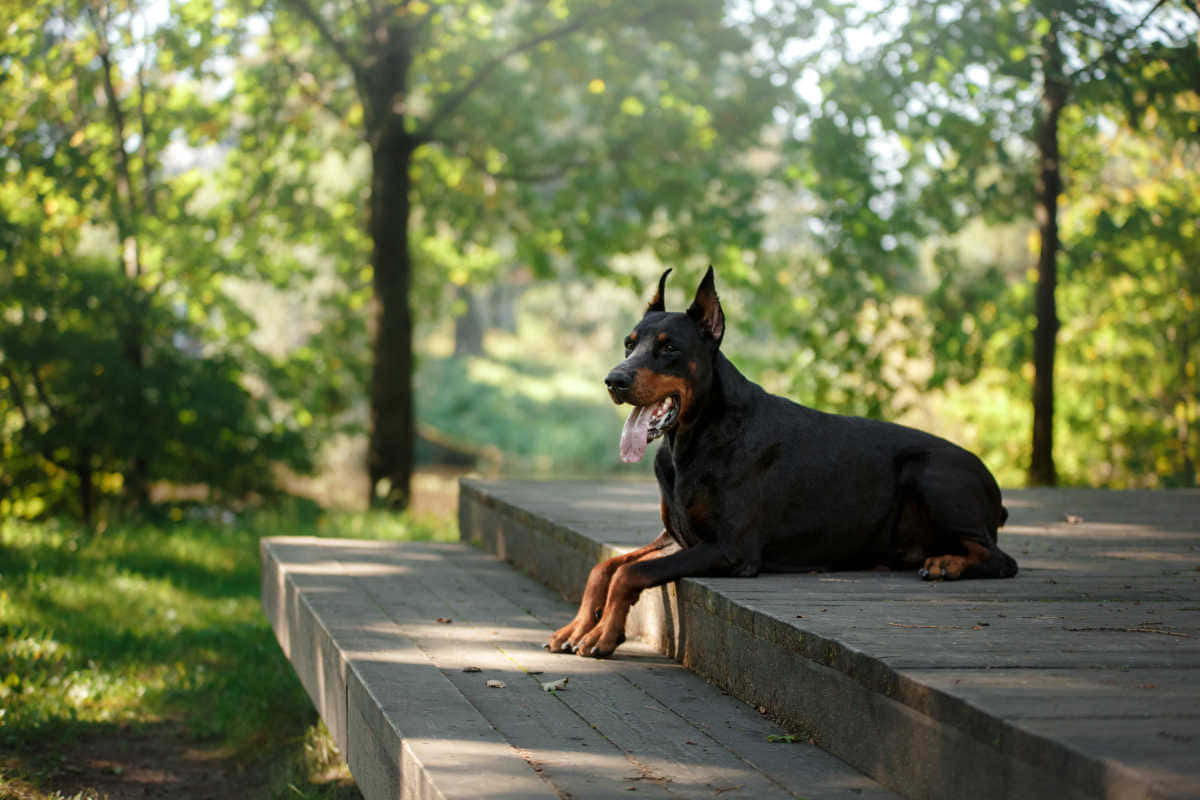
{"x": 124, "y": 358}
{"x": 246, "y": 241}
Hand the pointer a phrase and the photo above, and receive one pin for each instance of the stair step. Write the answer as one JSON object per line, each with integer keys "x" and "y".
{"x": 382, "y": 633}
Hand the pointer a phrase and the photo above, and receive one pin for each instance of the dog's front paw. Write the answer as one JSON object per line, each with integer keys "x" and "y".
{"x": 600, "y": 642}
{"x": 942, "y": 568}
{"x": 565, "y": 638}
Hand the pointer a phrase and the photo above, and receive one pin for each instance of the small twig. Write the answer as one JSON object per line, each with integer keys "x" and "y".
{"x": 1130, "y": 630}
{"x": 937, "y": 627}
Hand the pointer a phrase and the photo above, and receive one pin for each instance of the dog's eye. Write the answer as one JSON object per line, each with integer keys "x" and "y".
{"x": 667, "y": 347}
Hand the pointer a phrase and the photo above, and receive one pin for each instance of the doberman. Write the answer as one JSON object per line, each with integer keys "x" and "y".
{"x": 751, "y": 481}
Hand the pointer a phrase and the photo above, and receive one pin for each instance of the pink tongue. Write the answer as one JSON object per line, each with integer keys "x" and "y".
{"x": 635, "y": 434}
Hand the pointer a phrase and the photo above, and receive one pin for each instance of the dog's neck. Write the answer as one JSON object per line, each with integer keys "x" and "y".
{"x": 727, "y": 391}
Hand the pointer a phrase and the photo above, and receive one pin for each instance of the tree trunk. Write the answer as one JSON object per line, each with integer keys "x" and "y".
{"x": 468, "y": 326}
{"x": 390, "y": 451}
{"x": 1049, "y": 186}
{"x": 137, "y": 480}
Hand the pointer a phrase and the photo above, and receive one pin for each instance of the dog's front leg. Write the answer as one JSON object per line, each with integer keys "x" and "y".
{"x": 595, "y": 595}
{"x": 631, "y": 579}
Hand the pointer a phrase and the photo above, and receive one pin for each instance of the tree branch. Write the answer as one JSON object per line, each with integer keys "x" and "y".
{"x": 15, "y": 391}
{"x": 144, "y": 146}
{"x": 306, "y": 10}
{"x": 124, "y": 206}
{"x": 550, "y": 174}
{"x": 42, "y": 394}
{"x": 43, "y": 448}
{"x": 308, "y": 92}
{"x": 485, "y": 71}
{"x": 1111, "y": 49}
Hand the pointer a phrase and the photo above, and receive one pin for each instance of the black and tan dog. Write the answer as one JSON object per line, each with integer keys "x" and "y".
{"x": 751, "y": 481}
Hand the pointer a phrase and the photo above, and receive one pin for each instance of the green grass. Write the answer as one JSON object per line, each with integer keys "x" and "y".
{"x": 542, "y": 417}
{"x": 159, "y": 621}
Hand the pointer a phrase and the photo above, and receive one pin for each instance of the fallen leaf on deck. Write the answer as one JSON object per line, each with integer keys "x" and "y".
{"x": 472, "y": 669}
{"x": 494, "y": 684}
{"x": 554, "y": 686}
{"x": 444, "y": 620}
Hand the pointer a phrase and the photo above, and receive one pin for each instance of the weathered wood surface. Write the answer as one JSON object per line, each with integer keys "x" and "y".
{"x": 381, "y": 635}
{"x": 1078, "y": 678}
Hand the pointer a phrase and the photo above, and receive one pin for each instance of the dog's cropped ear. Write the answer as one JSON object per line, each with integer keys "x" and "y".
{"x": 656, "y": 302}
{"x": 706, "y": 308}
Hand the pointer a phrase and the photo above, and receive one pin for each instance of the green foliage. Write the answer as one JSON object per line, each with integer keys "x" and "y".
{"x": 1132, "y": 346}
{"x": 123, "y": 358}
{"x": 77, "y": 404}
{"x": 922, "y": 133}
{"x": 549, "y": 136}
{"x": 158, "y": 621}
{"x": 174, "y": 181}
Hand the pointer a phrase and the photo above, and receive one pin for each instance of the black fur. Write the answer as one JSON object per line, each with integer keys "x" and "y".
{"x": 751, "y": 481}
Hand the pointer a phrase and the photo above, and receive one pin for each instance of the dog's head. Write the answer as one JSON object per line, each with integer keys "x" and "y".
{"x": 668, "y": 363}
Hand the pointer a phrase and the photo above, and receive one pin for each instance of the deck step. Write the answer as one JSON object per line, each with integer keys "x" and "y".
{"x": 382, "y": 636}
{"x": 1079, "y": 678}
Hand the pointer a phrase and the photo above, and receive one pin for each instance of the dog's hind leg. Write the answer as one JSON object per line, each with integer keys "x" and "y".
{"x": 962, "y": 505}
{"x": 978, "y": 562}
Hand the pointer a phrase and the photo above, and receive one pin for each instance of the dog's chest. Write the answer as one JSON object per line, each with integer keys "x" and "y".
{"x": 693, "y": 504}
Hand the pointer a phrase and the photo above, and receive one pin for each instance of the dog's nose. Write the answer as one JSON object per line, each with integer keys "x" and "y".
{"x": 618, "y": 381}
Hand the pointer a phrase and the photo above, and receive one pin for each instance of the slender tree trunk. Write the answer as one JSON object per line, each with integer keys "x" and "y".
{"x": 127, "y": 216}
{"x": 1049, "y": 186}
{"x": 87, "y": 487}
{"x": 390, "y": 451}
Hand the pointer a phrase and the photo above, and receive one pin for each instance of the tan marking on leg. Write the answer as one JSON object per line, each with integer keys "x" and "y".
{"x": 951, "y": 567}
{"x": 603, "y": 639}
{"x": 595, "y": 595}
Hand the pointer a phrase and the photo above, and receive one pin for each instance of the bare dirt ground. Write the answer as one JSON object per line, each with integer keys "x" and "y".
{"x": 159, "y": 762}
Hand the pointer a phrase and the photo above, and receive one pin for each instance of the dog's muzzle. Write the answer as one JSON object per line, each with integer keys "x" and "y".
{"x": 619, "y": 383}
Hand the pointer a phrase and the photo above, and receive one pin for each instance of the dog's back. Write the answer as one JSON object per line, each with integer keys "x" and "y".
{"x": 817, "y": 489}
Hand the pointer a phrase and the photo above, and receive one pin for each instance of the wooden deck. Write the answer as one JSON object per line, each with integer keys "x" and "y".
{"x": 1078, "y": 678}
